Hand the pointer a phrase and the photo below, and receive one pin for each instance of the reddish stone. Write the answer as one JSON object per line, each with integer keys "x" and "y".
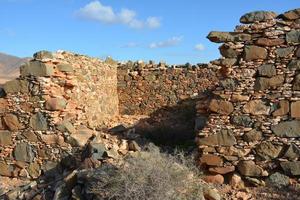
{"x": 269, "y": 42}
{"x": 12, "y": 122}
{"x": 221, "y": 107}
{"x": 255, "y": 53}
{"x": 211, "y": 160}
{"x": 222, "y": 170}
{"x": 55, "y": 104}
{"x": 236, "y": 181}
{"x": 3, "y": 105}
{"x": 284, "y": 108}
{"x": 215, "y": 179}
{"x": 295, "y": 109}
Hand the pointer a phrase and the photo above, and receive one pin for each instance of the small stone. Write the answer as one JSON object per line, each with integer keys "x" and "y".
{"x": 220, "y": 37}
{"x": 15, "y": 86}
{"x": 236, "y": 181}
{"x": 34, "y": 170}
{"x": 291, "y": 168}
{"x": 293, "y": 37}
{"x": 255, "y": 53}
{"x": 260, "y": 16}
{"x": 268, "y": 151}
{"x": 296, "y": 83}
{"x": 30, "y": 136}
{"x": 12, "y": 122}
{"x": 278, "y": 180}
{"x": 284, "y": 108}
{"x": 269, "y": 42}
{"x": 292, "y": 152}
{"x": 24, "y": 152}
{"x": 223, "y": 138}
{"x": 249, "y": 168}
{"x": 36, "y": 68}
{"x": 256, "y": 107}
{"x": 5, "y": 138}
{"x": 295, "y": 109}
{"x": 294, "y": 65}
{"x": 64, "y": 67}
{"x": 56, "y": 104}
{"x": 242, "y": 120}
{"x": 214, "y": 179}
{"x": 287, "y": 129}
{"x": 211, "y": 194}
{"x": 38, "y": 122}
{"x": 284, "y": 52}
{"x": 252, "y": 136}
{"x": 221, "y": 106}
{"x": 133, "y": 146}
{"x": 229, "y": 84}
{"x": 66, "y": 126}
{"x": 43, "y": 55}
{"x": 53, "y": 140}
{"x": 267, "y": 70}
{"x": 5, "y": 169}
{"x": 211, "y": 160}
{"x": 238, "y": 97}
{"x": 222, "y": 170}
{"x": 254, "y": 181}
{"x": 292, "y": 14}
{"x": 81, "y": 137}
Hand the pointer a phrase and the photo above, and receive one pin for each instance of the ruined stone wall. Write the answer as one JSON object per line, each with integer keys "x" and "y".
{"x": 50, "y": 111}
{"x": 145, "y": 88}
{"x": 254, "y": 126}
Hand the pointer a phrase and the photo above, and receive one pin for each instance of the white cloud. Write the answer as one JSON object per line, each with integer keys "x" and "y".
{"x": 199, "y": 47}
{"x": 167, "y": 43}
{"x": 96, "y": 11}
{"x": 130, "y": 45}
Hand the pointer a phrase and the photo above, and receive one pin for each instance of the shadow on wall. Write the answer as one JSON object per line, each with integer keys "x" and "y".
{"x": 173, "y": 126}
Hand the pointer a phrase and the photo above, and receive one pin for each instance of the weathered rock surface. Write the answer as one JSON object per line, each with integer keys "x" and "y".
{"x": 268, "y": 151}
{"x": 38, "y": 122}
{"x": 23, "y": 152}
{"x": 259, "y": 16}
{"x": 12, "y": 122}
{"x": 291, "y": 168}
{"x": 220, "y": 37}
{"x": 221, "y": 106}
{"x": 224, "y": 138}
{"x": 267, "y": 70}
{"x": 287, "y": 129}
{"x": 255, "y": 53}
{"x": 256, "y": 107}
{"x": 5, "y": 138}
{"x": 249, "y": 168}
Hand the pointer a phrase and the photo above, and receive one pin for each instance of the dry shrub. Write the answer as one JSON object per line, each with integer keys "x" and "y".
{"x": 150, "y": 175}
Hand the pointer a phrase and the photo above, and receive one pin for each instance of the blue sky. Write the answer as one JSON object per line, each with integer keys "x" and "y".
{"x": 171, "y": 30}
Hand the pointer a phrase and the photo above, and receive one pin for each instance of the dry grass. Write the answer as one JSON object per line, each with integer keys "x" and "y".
{"x": 151, "y": 175}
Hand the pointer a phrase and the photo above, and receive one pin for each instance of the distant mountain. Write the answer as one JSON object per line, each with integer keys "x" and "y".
{"x": 9, "y": 67}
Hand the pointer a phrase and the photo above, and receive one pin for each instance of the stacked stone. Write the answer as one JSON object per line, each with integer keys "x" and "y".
{"x": 48, "y": 112}
{"x": 144, "y": 88}
{"x": 254, "y": 125}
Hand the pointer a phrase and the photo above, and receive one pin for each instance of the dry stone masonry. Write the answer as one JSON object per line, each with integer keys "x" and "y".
{"x": 52, "y": 110}
{"x": 254, "y": 126}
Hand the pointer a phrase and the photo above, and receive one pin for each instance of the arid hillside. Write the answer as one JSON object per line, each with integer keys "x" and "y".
{"x": 9, "y": 67}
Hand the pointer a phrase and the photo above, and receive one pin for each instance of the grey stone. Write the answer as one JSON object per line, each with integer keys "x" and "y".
{"x": 16, "y": 86}
{"x": 200, "y": 122}
{"x": 252, "y": 52}
{"x": 36, "y": 68}
{"x": 242, "y": 120}
{"x": 220, "y": 37}
{"x": 268, "y": 151}
{"x": 292, "y": 152}
{"x": 24, "y": 152}
{"x": 5, "y": 138}
{"x": 38, "y": 122}
{"x": 298, "y": 52}
{"x": 287, "y": 129}
{"x": 291, "y": 168}
{"x": 252, "y": 136}
{"x": 293, "y": 37}
{"x": 43, "y": 55}
{"x": 64, "y": 67}
{"x": 224, "y": 138}
{"x": 229, "y": 84}
{"x": 228, "y": 52}
{"x": 294, "y": 64}
{"x": 284, "y": 52}
{"x": 263, "y": 83}
{"x": 267, "y": 70}
{"x": 278, "y": 180}
{"x": 97, "y": 150}
{"x": 66, "y": 126}
{"x": 296, "y": 82}
{"x": 260, "y": 16}
{"x": 225, "y": 61}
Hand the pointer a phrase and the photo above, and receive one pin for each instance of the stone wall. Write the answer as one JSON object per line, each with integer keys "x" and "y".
{"x": 254, "y": 126}
{"x": 52, "y": 109}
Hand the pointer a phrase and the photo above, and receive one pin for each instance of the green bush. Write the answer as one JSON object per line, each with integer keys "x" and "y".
{"x": 148, "y": 175}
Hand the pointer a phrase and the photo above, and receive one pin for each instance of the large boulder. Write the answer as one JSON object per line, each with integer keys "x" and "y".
{"x": 287, "y": 129}
{"x": 252, "y": 52}
{"x": 268, "y": 151}
{"x": 292, "y": 152}
{"x": 41, "y": 55}
{"x": 263, "y": 83}
{"x": 252, "y": 136}
{"x": 267, "y": 70}
{"x": 221, "y": 107}
{"x": 291, "y": 168}
{"x": 220, "y": 37}
{"x": 260, "y": 16}
{"x": 284, "y": 52}
{"x": 278, "y": 180}
{"x": 249, "y": 168}
{"x": 228, "y": 52}
{"x": 23, "y": 152}
{"x": 223, "y": 138}
{"x": 36, "y": 68}
{"x": 15, "y": 86}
